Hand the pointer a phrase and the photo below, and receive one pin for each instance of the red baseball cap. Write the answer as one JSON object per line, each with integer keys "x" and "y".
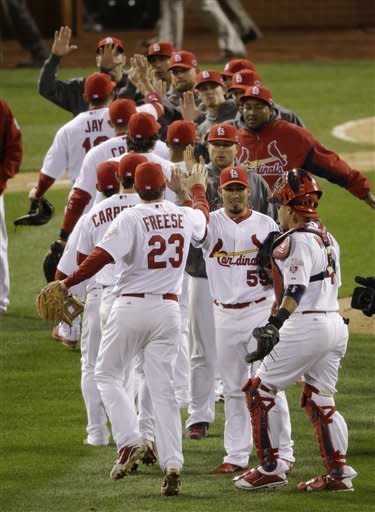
{"x": 142, "y": 125}
{"x": 234, "y": 175}
{"x": 98, "y": 85}
{"x": 208, "y": 76}
{"x": 182, "y": 132}
{"x": 236, "y": 65}
{"x": 114, "y": 41}
{"x": 120, "y": 111}
{"x": 106, "y": 174}
{"x": 183, "y": 59}
{"x": 149, "y": 176}
{"x": 243, "y": 79}
{"x": 223, "y": 132}
{"x": 261, "y": 93}
{"x": 128, "y": 164}
{"x": 162, "y": 48}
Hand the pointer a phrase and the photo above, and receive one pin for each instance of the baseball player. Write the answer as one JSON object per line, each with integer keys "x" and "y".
{"x": 10, "y": 161}
{"x": 78, "y": 136}
{"x": 306, "y": 335}
{"x": 271, "y": 147}
{"x": 242, "y": 300}
{"x": 245, "y": 78}
{"x": 232, "y": 67}
{"x": 84, "y": 189}
{"x": 222, "y": 148}
{"x": 149, "y": 243}
{"x": 110, "y": 58}
{"x": 158, "y": 55}
{"x": 91, "y": 230}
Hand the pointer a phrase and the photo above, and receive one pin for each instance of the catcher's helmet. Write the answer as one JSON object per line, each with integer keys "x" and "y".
{"x": 299, "y": 190}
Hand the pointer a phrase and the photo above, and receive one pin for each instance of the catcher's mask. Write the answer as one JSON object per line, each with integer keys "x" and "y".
{"x": 299, "y": 190}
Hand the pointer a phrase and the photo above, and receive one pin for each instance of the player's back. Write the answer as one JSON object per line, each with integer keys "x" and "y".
{"x": 87, "y": 130}
{"x": 154, "y": 239}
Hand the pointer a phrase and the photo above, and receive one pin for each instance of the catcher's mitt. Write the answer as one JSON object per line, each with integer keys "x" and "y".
{"x": 263, "y": 259}
{"x": 53, "y": 304}
{"x": 266, "y": 337}
{"x": 41, "y": 211}
{"x": 51, "y": 260}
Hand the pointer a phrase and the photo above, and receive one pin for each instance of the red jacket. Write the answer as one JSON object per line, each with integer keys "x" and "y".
{"x": 10, "y": 145}
{"x": 280, "y": 146}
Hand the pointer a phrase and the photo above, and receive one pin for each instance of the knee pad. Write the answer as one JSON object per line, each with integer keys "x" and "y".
{"x": 321, "y": 419}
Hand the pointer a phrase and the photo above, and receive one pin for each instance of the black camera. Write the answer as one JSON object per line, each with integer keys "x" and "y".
{"x": 364, "y": 298}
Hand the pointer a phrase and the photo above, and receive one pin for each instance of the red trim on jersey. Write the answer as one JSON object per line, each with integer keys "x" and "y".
{"x": 94, "y": 262}
{"x": 44, "y": 183}
{"x": 200, "y": 199}
{"x": 188, "y": 203}
{"x": 237, "y": 220}
{"x": 74, "y": 209}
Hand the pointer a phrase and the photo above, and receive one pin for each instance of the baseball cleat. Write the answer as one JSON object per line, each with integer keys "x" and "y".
{"x": 254, "y": 480}
{"x": 226, "y": 468}
{"x": 151, "y": 454}
{"x": 172, "y": 482}
{"x": 197, "y": 431}
{"x": 65, "y": 341}
{"x": 326, "y": 483}
{"x": 128, "y": 456}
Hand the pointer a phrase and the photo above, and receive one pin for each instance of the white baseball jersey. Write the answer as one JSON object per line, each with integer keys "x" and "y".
{"x": 230, "y": 249}
{"x": 95, "y": 226}
{"x": 150, "y": 242}
{"x": 307, "y": 257}
{"x": 115, "y": 148}
{"x": 74, "y": 140}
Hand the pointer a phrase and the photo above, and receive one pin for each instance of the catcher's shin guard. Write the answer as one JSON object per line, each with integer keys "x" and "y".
{"x": 331, "y": 433}
{"x": 259, "y": 407}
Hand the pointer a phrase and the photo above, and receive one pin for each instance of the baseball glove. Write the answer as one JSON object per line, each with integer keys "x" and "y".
{"x": 266, "y": 337}
{"x": 51, "y": 260}
{"x": 53, "y": 304}
{"x": 263, "y": 259}
{"x": 41, "y": 211}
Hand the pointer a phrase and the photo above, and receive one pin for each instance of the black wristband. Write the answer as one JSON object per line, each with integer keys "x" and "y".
{"x": 64, "y": 235}
{"x": 278, "y": 320}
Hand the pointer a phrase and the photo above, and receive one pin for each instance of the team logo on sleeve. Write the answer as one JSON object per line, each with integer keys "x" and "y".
{"x": 294, "y": 264}
{"x": 111, "y": 233}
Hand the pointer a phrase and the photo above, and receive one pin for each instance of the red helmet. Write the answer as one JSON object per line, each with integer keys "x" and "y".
{"x": 299, "y": 190}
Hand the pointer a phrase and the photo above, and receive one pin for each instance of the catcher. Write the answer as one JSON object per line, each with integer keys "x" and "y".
{"x": 306, "y": 336}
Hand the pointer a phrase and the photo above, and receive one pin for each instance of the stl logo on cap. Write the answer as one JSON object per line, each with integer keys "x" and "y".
{"x": 205, "y": 74}
{"x": 156, "y": 47}
{"x": 255, "y": 90}
{"x": 233, "y": 173}
{"x": 178, "y": 57}
{"x": 108, "y": 40}
{"x": 239, "y": 78}
{"x": 221, "y": 131}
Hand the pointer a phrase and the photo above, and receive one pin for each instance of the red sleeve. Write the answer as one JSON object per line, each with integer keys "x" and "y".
{"x": 74, "y": 209}
{"x": 200, "y": 199}
{"x": 59, "y": 276}
{"x": 156, "y": 101}
{"x": 10, "y": 145}
{"x": 94, "y": 262}
{"x": 327, "y": 164}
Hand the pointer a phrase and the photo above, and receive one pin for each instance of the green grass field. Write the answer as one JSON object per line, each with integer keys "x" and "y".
{"x": 43, "y": 464}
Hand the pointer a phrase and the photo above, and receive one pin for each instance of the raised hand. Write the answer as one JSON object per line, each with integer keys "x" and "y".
{"x": 61, "y": 44}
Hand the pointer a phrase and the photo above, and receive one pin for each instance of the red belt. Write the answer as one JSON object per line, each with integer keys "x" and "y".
{"x": 239, "y": 305}
{"x": 165, "y": 296}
